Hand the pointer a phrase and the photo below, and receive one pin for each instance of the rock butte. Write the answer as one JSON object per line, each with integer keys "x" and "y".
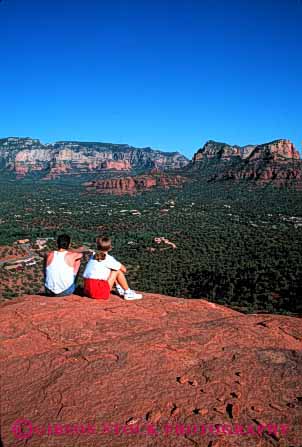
{"x": 135, "y": 184}
{"x": 161, "y": 360}
{"x": 277, "y": 163}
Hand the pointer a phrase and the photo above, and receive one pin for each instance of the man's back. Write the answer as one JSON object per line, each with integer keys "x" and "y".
{"x": 61, "y": 269}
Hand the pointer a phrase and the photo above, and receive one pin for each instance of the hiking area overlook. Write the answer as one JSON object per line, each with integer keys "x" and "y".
{"x": 158, "y": 362}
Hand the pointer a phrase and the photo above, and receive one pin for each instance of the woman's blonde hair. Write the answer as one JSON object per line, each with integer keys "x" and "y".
{"x": 103, "y": 245}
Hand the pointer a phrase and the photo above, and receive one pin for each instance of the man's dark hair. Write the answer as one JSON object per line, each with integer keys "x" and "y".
{"x": 63, "y": 241}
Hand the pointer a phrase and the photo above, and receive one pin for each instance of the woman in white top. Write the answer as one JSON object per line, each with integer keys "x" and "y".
{"x": 103, "y": 271}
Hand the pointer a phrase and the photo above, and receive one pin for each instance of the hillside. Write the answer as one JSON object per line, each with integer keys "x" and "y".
{"x": 24, "y": 156}
{"x": 151, "y": 366}
{"x": 136, "y": 184}
{"x": 235, "y": 246}
{"x": 276, "y": 163}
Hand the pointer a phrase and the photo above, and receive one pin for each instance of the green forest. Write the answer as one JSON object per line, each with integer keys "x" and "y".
{"x": 236, "y": 244}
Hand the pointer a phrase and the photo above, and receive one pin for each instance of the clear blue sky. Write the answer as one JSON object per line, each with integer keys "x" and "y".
{"x": 160, "y": 73}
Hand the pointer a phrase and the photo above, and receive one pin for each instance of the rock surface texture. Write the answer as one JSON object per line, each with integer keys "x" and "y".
{"x": 157, "y": 367}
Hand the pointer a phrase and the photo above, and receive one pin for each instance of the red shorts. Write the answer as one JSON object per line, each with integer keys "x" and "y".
{"x": 98, "y": 289}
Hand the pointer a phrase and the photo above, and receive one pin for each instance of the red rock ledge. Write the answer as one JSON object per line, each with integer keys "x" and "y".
{"x": 159, "y": 362}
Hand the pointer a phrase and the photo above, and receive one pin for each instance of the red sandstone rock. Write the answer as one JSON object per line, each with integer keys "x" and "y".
{"x": 280, "y": 149}
{"x": 152, "y": 364}
{"x": 24, "y": 155}
{"x": 277, "y": 163}
{"x": 135, "y": 184}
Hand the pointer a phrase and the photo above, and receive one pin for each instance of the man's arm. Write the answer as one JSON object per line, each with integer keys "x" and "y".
{"x": 72, "y": 258}
{"x": 48, "y": 259}
{"x": 80, "y": 250}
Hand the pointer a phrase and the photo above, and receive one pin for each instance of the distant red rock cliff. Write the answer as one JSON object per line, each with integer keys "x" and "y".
{"x": 26, "y": 156}
{"x": 160, "y": 362}
{"x": 135, "y": 184}
{"x": 277, "y": 163}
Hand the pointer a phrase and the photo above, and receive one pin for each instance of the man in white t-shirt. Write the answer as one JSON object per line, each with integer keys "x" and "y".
{"x": 61, "y": 268}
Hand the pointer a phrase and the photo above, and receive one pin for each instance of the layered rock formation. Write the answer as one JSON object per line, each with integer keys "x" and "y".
{"x": 279, "y": 150}
{"x": 277, "y": 163}
{"x": 160, "y": 371}
{"x": 25, "y": 155}
{"x": 221, "y": 151}
{"x": 135, "y": 184}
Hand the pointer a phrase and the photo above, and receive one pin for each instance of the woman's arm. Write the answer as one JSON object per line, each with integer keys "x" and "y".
{"x": 123, "y": 269}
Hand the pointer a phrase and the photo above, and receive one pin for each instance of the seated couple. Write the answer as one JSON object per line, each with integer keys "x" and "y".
{"x": 102, "y": 271}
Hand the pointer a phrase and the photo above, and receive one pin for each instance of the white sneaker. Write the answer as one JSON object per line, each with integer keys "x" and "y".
{"x": 120, "y": 290}
{"x": 131, "y": 295}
